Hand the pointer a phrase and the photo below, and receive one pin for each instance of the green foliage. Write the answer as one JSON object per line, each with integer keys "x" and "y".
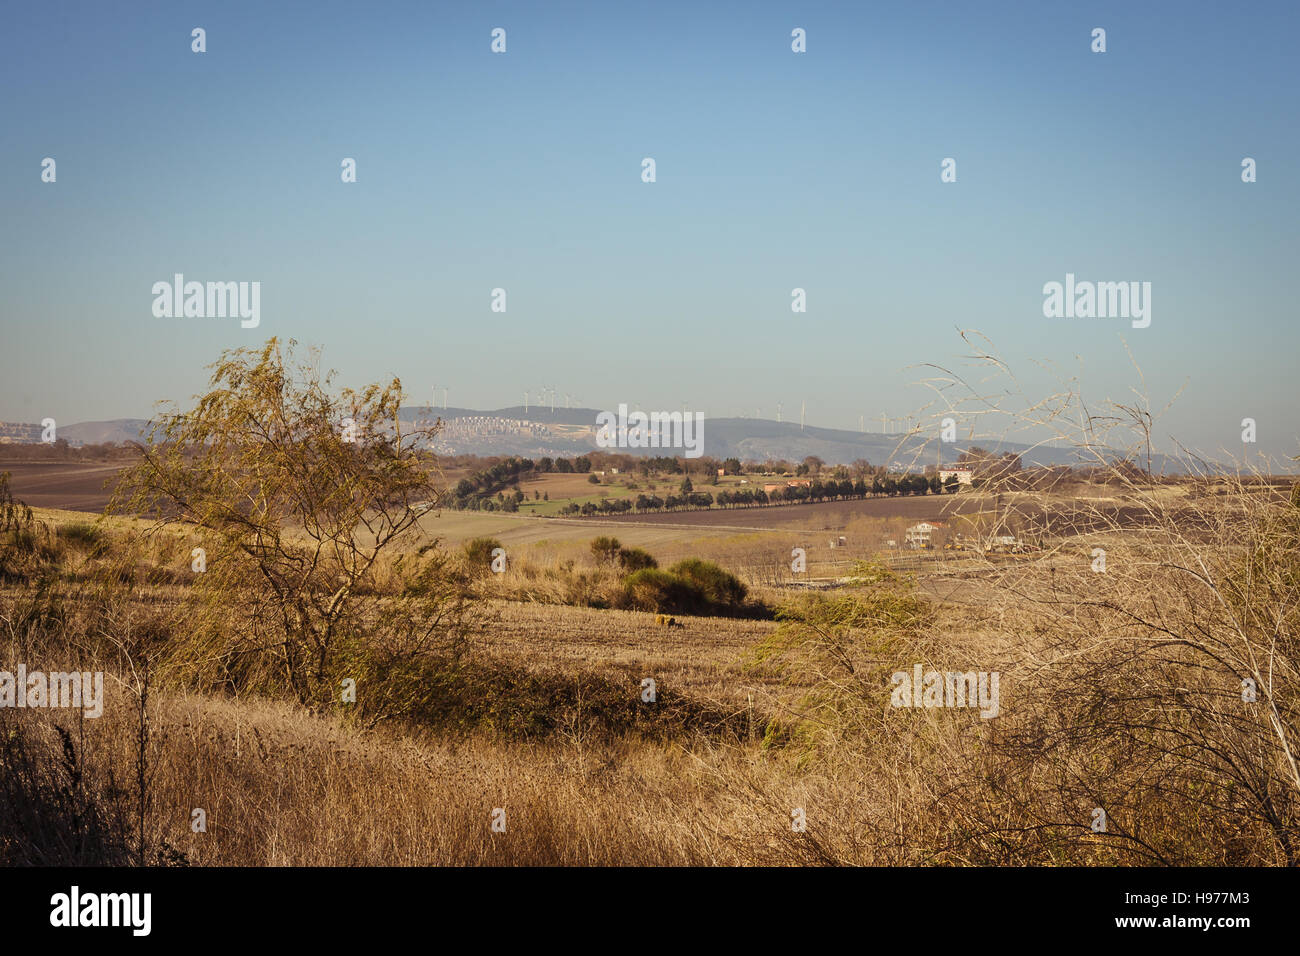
{"x": 691, "y": 586}
{"x": 719, "y": 586}
{"x": 651, "y": 589}
{"x": 635, "y": 559}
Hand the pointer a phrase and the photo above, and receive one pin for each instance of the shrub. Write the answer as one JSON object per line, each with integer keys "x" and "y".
{"x": 659, "y": 591}
{"x": 83, "y": 535}
{"x": 605, "y": 549}
{"x": 718, "y": 585}
{"x": 636, "y": 559}
{"x": 478, "y": 552}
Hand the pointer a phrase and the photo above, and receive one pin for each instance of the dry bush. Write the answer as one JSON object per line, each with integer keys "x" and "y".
{"x": 1158, "y": 672}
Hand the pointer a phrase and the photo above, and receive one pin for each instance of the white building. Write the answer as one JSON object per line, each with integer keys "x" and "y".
{"x": 963, "y": 475}
{"x": 920, "y": 535}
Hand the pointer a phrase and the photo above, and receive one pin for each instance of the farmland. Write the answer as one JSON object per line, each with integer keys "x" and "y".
{"x": 72, "y": 486}
{"x": 547, "y": 730}
{"x": 359, "y": 677}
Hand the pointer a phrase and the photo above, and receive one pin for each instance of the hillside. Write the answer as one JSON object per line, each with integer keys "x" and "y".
{"x": 564, "y": 432}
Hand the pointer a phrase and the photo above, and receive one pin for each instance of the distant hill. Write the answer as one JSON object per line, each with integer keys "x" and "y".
{"x": 565, "y": 432}
{"x": 96, "y": 433}
{"x": 743, "y": 438}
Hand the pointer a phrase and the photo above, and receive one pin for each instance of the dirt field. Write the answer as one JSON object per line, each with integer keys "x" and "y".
{"x": 818, "y": 516}
{"x": 71, "y": 486}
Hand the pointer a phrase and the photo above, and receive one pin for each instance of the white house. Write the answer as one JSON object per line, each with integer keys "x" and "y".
{"x": 963, "y": 475}
{"x": 919, "y": 535}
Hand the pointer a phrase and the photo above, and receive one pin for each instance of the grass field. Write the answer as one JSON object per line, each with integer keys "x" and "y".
{"x": 542, "y": 711}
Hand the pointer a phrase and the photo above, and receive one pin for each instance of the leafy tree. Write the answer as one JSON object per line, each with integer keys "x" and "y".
{"x": 296, "y": 491}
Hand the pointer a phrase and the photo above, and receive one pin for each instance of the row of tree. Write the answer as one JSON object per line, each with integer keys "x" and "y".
{"x": 817, "y": 490}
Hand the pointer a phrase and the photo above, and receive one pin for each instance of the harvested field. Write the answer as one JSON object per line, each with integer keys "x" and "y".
{"x": 72, "y": 486}
{"x": 703, "y": 657}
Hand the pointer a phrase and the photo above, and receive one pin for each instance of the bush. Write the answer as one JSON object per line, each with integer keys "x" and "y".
{"x": 478, "y": 552}
{"x": 605, "y": 549}
{"x": 659, "y": 591}
{"x": 83, "y": 535}
{"x": 718, "y": 585}
{"x": 636, "y": 559}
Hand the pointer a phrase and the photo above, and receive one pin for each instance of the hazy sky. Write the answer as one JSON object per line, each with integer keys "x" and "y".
{"x": 775, "y": 170}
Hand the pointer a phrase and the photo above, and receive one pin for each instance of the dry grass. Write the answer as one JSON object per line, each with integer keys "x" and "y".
{"x": 1122, "y": 691}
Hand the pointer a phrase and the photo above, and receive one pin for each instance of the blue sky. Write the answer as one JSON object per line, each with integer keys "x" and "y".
{"x": 775, "y": 170}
